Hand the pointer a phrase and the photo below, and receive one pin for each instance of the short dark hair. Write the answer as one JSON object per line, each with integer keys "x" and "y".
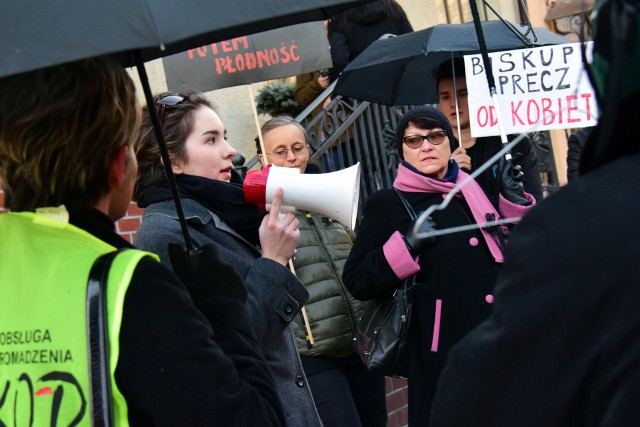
{"x": 424, "y": 117}
{"x": 449, "y": 68}
{"x": 60, "y": 129}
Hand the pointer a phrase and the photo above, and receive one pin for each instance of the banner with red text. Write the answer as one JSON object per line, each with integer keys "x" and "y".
{"x": 538, "y": 89}
{"x": 283, "y": 52}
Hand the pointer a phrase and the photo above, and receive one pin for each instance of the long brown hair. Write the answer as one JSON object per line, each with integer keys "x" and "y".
{"x": 178, "y": 124}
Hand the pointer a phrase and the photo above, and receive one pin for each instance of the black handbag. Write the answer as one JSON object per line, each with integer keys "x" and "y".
{"x": 382, "y": 333}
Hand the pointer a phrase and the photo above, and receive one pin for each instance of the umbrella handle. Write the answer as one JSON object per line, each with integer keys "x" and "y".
{"x": 488, "y": 69}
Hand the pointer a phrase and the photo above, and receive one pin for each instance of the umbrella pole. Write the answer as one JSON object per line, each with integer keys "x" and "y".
{"x": 488, "y": 70}
{"x": 164, "y": 152}
{"x": 455, "y": 97}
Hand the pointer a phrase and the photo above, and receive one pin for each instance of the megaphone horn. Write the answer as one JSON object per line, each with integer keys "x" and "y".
{"x": 334, "y": 194}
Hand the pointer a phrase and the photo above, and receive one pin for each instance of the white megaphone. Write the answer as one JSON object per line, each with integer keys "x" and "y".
{"x": 334, "y": 194}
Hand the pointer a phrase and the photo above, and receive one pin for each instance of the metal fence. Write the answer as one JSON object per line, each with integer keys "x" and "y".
{"x": 349, "y": 131}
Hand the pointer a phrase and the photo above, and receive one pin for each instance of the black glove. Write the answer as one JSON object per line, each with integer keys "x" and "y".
{"x": 205, "y": 274}
{"x": 511, "y": 187}
{"x": 415, "y": 245}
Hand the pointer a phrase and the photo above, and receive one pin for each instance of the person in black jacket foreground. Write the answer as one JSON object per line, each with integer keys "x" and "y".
{"x": 562, "y": 347}
{"x": 185, "y": 354}
{"x": 474, "y": 152}
{"x": 455, "y": 272}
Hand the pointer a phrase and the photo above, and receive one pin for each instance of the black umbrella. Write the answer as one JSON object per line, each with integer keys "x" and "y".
{"x": 399, "y": 70}
{"x": 38, "y": 34}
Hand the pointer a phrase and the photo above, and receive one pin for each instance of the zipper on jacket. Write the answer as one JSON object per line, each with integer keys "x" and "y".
{"x": 350, "y": 309}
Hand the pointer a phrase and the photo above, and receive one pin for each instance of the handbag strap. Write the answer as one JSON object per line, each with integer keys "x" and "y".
{"x": 411, "y": 281}
{"x": 102, "y": 408}
{"x": 407, "y": 206}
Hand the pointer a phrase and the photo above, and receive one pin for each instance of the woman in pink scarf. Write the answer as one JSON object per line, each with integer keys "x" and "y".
{"x": 456, "y": 272}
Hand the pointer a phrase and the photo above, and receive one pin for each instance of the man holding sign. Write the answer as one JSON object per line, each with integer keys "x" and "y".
{"x": 470, "y": 152}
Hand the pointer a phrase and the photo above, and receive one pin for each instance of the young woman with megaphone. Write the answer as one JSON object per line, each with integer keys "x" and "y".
{"x": 213, "y": 201}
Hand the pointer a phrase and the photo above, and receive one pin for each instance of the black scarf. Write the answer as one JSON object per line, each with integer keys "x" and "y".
{"x": 225, "y": 199}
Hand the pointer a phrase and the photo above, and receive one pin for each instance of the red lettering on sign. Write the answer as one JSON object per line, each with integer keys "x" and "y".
{"x": 295, "y": 56}
{"x": 273, "y": 55}
{"x": 250, "y": 59}
{"x": 514, "y": 113}
{"x": 487, "y": 116}
{"x": 532, "y": 107}
{"x": 587, "y": 101}
{"x": 571, "y": 100}
{"x": 240, "y": 62}
{"x": 226, "y": 46}
{"x": 483, "y": 116}
{"x": 285, "y": 54}
{"x": 263, "y": 57}
{"x": 547, "y": 112}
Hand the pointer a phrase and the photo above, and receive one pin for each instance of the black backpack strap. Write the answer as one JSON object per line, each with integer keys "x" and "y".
{"x": 407, "y": 206}
{"x": 97, "y": 329}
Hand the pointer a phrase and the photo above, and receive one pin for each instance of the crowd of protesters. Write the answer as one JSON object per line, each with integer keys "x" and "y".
{"x": 251, "y": 320}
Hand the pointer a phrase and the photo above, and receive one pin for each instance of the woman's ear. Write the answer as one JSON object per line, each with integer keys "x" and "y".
{"x": 175, "y": 167}
{"x": 261, "y": 159}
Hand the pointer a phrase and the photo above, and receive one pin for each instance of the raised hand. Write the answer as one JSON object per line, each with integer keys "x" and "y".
{"x": 279, "y": 233}
{"x": 511, "y": 187}
{"x": 461, "y": 158}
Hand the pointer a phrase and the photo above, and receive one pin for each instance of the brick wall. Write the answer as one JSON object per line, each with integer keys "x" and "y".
{"x": 128, "y": 225}
{"x": 396, "y": 388}
{"x": 397, "y": 396}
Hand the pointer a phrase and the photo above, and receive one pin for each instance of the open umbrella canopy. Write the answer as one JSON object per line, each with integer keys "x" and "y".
{"x": 399, "y": 70}
{"x": 38, "y": 34}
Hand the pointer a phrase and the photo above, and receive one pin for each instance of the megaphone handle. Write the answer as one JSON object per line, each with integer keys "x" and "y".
{"x": 307, "y": 326}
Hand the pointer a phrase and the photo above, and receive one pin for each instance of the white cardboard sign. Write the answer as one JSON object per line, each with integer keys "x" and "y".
{"x": 537, "y": 89}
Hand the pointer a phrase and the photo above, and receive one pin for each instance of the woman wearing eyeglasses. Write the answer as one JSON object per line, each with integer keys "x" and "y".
{"x": 213, "y": 202}
{"x": 455, "y": 272}
{"x": 346, "y": 395}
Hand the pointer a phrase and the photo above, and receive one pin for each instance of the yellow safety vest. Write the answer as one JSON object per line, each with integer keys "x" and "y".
{"x": 44, "y": 364}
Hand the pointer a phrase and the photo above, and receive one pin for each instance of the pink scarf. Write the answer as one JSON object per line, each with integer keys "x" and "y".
{"x": 409, "y": 181}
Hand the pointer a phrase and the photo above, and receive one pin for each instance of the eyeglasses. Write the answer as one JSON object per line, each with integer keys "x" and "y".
{"x": 416, "y": 141}
{"x": 296, "y": 150}
{"x": 165, "y": 101}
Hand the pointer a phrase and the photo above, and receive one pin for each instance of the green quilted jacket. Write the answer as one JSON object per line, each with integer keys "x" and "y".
{"x": 322, "y": 250}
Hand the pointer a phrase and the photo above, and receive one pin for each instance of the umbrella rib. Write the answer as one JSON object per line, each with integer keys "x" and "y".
{"x": 511, "y": 27}
{"x": 155, "y": 26}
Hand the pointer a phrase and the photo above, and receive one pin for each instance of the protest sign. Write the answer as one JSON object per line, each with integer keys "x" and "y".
{"x": 537, "y": 89}
{"x": 283, "y": 52}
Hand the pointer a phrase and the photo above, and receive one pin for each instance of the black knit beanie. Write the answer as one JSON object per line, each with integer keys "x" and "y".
{"x": 427, "y": 112}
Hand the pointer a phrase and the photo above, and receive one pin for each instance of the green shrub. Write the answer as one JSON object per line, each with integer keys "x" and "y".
{"x": 277, "y": 99}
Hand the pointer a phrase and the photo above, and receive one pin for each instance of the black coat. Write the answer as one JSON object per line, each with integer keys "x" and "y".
{"x": 178, "y": 367}
{"x": 355, "y": 33}
{"x": 453, "y": 270}
{"x": 562, "y": 347}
